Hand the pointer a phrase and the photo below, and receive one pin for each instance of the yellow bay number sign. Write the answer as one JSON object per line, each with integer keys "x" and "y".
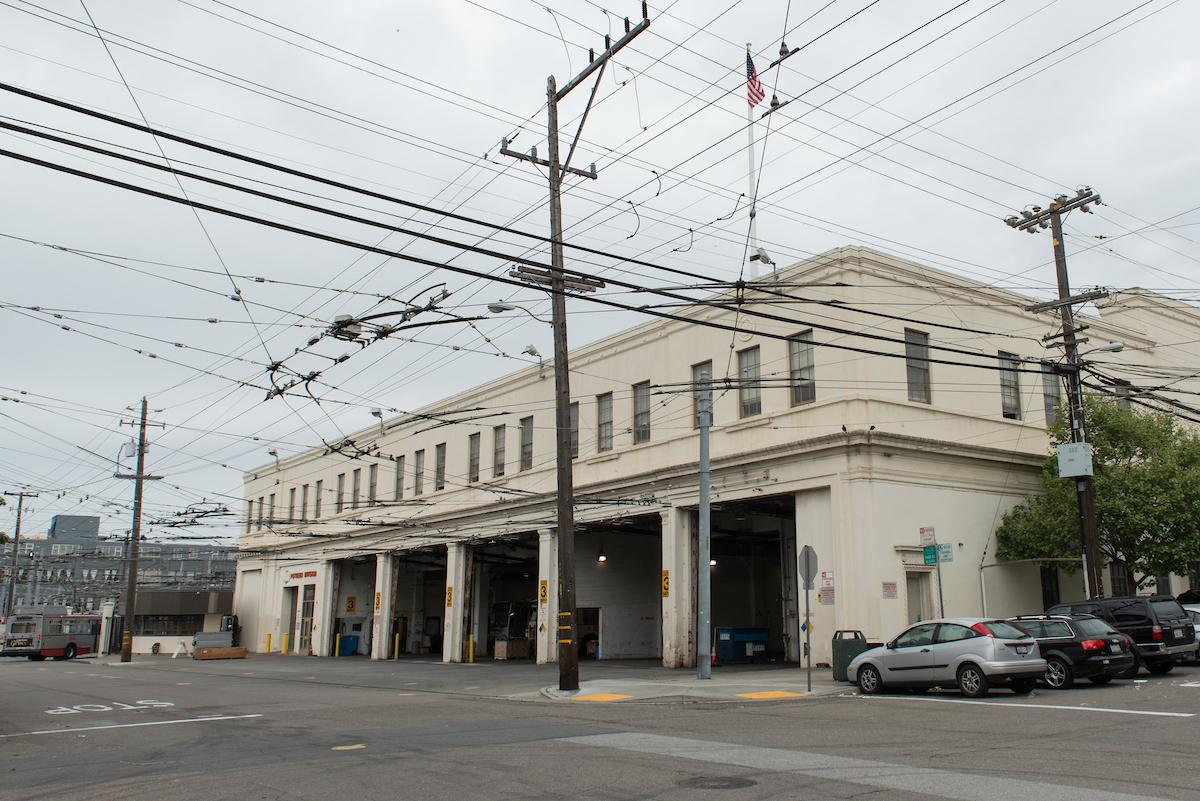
{"x": 666, "y": 584}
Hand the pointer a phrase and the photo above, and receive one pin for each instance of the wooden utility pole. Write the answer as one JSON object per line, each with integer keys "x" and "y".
{"x": 1085, "y": 491}
{"x": 138, "y": 477}
{"x": 559, "y": 281}
{"x": 12, "y": 579}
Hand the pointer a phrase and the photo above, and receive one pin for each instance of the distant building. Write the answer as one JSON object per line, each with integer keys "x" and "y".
{"x": 74, "y": 566}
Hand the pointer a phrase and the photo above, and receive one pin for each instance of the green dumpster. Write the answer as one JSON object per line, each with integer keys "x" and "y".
{"x": 847, "y": 644}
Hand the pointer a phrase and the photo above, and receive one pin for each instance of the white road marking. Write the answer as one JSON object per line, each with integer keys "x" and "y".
{"x": 963, "y": 786}
{"x": 132, "y": 725}
{"x": 1034, "y": 706}
{"x": 1190, "y": 684}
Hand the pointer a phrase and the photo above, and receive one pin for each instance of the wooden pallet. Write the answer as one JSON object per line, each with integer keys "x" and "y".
{"x": 219, "y": 653}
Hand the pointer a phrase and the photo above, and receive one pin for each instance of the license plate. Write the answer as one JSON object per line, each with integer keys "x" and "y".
{"x": 1178, "y": 632}
{"x": 1022, "y": 649}
{"x": 1116, "y": 649}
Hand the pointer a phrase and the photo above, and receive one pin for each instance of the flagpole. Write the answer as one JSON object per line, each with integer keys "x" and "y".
{"x": 751, "y": 192}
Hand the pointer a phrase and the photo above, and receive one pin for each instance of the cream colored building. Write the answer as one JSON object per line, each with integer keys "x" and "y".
{"x": 444, "y": 532}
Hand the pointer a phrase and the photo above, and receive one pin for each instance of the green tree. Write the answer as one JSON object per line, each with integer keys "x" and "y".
{"x": 1147, "y": 478}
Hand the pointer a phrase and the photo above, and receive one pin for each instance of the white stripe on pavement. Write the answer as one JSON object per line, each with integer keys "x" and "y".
{"x": 1033, "y": 706}
{"x": 886, "y": 775}
{"x": 132, "y": 725}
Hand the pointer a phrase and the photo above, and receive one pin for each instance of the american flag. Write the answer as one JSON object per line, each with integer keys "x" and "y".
{"x": 754, "y": 88}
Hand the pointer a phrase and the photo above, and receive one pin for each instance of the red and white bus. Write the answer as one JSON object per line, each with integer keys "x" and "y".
{"x": 37, "y": 634}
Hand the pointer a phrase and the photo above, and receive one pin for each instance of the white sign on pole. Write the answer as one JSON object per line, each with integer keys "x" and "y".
{"x": 1074, "y": 459}
{"x": 927, "y": 536}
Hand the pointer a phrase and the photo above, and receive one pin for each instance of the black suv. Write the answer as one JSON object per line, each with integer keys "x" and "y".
{"x": 1161, "y": 631}
{"x": 1078, "y": 646}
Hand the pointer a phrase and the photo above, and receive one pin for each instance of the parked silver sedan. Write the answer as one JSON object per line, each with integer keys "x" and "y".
{"x": 970, "y": 653}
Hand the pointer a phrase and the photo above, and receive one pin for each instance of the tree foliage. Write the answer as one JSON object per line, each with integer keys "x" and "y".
{"x": 1147, "y": 479}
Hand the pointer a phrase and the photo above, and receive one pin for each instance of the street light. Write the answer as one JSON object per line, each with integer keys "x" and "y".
{"x": 1108, "y": 347}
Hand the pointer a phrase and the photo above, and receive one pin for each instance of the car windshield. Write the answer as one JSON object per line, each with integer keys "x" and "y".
{"x": 1168, "y": 610}
{"x": 999, "y": 628}
{"x": 1092, "y": 628}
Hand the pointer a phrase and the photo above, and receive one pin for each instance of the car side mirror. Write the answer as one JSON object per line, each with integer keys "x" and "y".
{"x": 891, "y": 646}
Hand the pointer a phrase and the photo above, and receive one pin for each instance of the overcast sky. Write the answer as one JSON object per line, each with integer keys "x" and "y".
{"x": 918, "y": 150}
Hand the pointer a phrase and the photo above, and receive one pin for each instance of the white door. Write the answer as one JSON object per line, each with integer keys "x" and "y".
{"x": 918, "y": 591}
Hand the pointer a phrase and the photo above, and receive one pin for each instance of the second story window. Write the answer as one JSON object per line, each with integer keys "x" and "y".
{"x": 271, "y": 509}
{"x": 304, "y": 502}
{"x": 355, "y": 487}
{"x": 439, "y": 466}
{"x": 339, "y": 500}
{"x": 749, "y": 388}
{"x": 1010, "y": 385}
{"x": 398, "y": 489}
{"x": 526, "y": 443}
{"x": 1051, "y": 393}
{"x": 372, "y": 484}
{"x": 641, "y": 412}
{"x": 916, "y": 361}
{"x": 698, "y": 372}
{"x": 498, "y": 435}
{"x": 318, "y": 499}
{"x": 802, "y": 373}
{"x": 473, "y": 458}
{"x": 291, "y": 504}
{"x": 574, "y": 421}
{"x": 604, "y": 422}
{"x": 259, "y": 515}
{"x": 419, "y": 472}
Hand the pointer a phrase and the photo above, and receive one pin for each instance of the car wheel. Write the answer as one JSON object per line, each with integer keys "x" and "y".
{"x": 69, "y": 652}
{"x": 1132, "y": 670}
{"x": 1059, "y": 675}
{"x": 971, "y": 681}
{"x": 1100, "y": 680}
{"x": 1022, "y": 686}
{"x": 869, "y": 680}
{"x": 1160, "y": 668}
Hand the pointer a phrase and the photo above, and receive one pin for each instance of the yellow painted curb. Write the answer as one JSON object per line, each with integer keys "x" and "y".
{"x": 766, "y": 694}
{"x": 601, "y": 697}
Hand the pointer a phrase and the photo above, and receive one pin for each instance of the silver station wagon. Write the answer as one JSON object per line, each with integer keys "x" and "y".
{"x": 970, "y": 653}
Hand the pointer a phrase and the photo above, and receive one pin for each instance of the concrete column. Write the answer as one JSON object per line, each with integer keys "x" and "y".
{"x": 814, "y": 526}
{"x": 324, "y": 608}
{"x": 678, "y": 589}
{"x": 381, "y": 606}
{"x": 547, "y": 630}
{"x": 453, "y": 631}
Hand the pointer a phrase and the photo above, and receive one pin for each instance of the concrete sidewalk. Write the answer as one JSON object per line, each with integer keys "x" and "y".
{"x": 729, "y": 684}
{"x": 625, "y": 681}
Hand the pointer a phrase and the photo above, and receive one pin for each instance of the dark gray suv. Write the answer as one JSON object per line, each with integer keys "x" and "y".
{"x": 1162, "y": 632}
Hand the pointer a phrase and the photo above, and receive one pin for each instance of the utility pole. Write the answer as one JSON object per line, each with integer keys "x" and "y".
{"x": 1085, "y": 492}
{"x": 704, "y": 555}
{"x": 559, "y": 281}
{"x": 138, "y": 478}
{"x": 12, "y": 579}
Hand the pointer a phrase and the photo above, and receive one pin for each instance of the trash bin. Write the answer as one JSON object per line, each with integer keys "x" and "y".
{"x": 349, "y": 645}
{"x": 847, "y": 644}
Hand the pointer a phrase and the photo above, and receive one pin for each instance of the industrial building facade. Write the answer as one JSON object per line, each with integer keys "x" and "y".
{"x": 435, "y": 535}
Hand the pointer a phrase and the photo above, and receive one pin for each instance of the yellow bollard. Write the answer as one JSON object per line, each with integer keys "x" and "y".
{"x": 337, "y": 645}
{"x": 268, "y": 648}
{"x": 396, "y": 648}
{"x": 471, "y": 648}
{"x": 283, "y": 644}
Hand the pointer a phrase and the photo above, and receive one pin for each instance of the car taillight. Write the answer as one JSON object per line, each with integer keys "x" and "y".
{"x": 982, "y": 629}
{"x": 1093, "y": 645}
{"x": 1156, "y": 632}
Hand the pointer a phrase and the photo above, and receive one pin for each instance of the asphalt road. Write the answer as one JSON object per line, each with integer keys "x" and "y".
{"x": 349, "y": 729}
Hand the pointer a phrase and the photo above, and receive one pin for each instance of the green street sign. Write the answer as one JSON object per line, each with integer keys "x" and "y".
{"x": 930, "y": 552}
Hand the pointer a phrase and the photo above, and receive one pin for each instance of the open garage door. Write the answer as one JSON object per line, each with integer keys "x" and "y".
{"x": 753, "y": 575}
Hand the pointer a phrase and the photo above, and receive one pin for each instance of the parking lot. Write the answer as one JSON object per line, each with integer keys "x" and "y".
{"x": 281, "y": 728}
